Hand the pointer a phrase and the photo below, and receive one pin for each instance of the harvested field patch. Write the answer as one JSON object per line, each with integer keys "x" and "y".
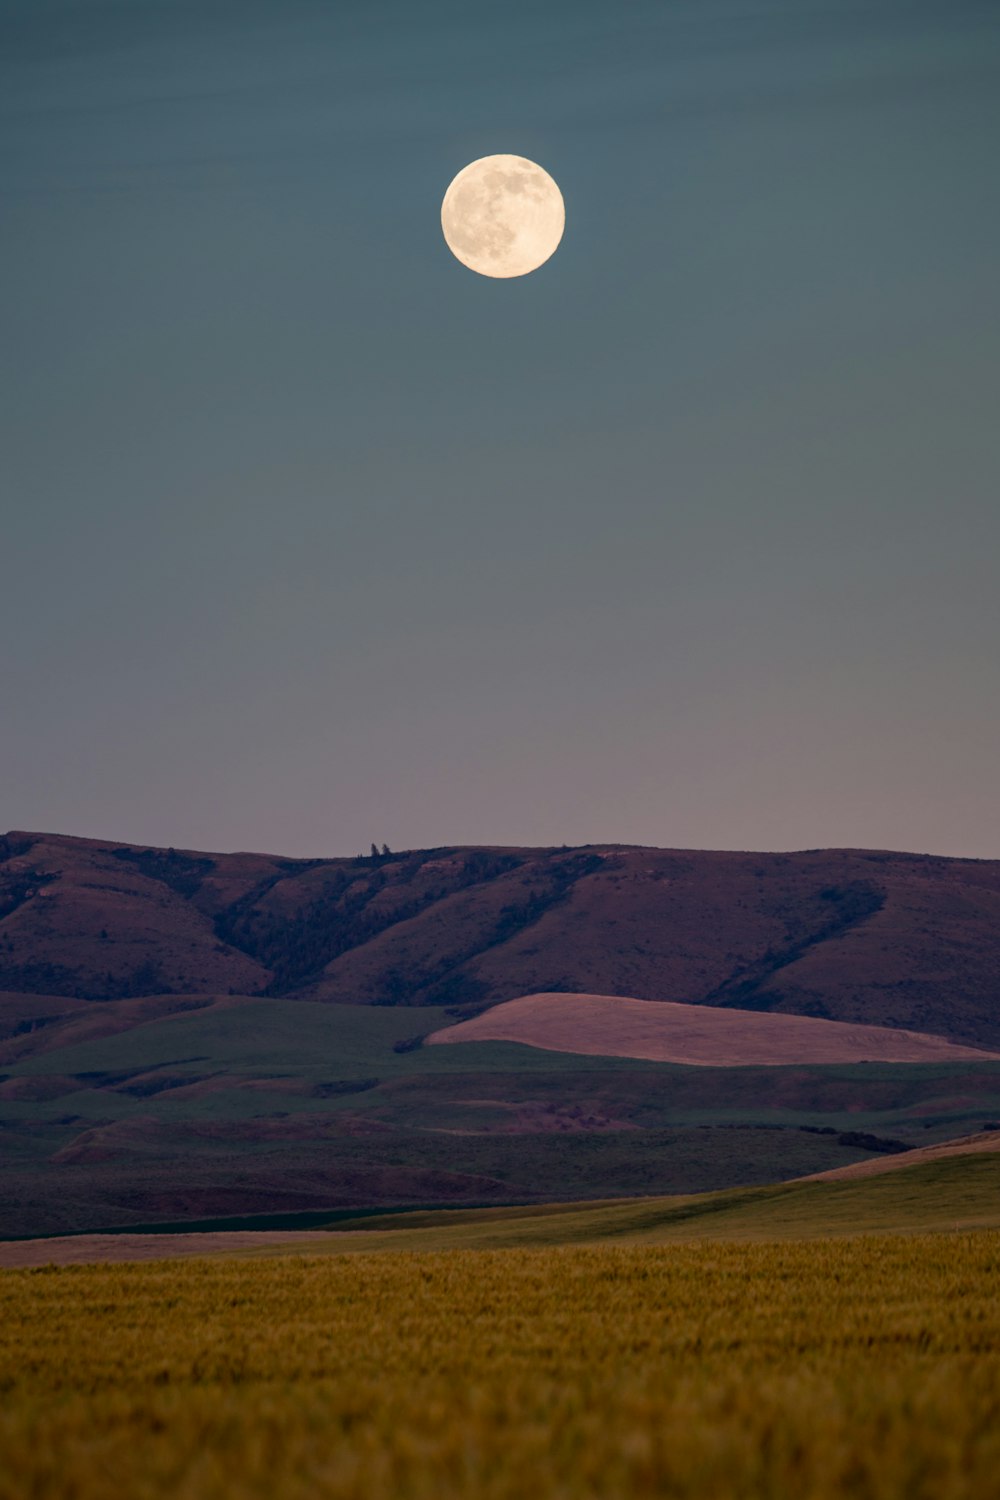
{"x": 98, "y": 1249}
{"x": 966, "y": 1145}
{"x": 696, "y": 1035}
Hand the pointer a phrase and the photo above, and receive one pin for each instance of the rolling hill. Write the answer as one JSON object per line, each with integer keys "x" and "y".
{"x": 695, "y": 1035}
{"x": 900, "y": 940}
{"x": 187, "y": 1108}
{"x": 197, "y": 1037}
{"x": 952, "y": 1186}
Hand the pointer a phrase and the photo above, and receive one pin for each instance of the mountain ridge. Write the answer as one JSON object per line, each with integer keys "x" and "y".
{"x": 871, "y": 936}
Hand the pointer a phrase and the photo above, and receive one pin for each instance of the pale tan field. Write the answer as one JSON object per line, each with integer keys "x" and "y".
{"x": 964, "y": 1145}
{"x": 696, "y": 1035}
{"x": 90, "y": 1249}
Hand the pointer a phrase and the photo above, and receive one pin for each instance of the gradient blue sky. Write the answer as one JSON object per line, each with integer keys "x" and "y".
{"x": 311, "y": 536}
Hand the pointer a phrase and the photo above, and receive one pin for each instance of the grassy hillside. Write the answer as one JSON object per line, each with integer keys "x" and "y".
{"x": 956, "y": 1193}
{"x": 886, "y": 939}
{"x": 278, "y": 1107}
{"x": 948, "y": 1187}
{"x": 864, "y": 1369}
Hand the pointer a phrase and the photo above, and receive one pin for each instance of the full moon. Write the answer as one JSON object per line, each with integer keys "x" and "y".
{"x": 503, "y": 216}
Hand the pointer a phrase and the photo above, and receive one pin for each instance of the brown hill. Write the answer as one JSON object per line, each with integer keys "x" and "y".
{"x": 696, "y": 1035}
{"x": 869, "y": 937}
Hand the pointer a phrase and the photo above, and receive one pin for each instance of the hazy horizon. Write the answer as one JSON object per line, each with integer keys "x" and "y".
{"x": 312, "y": 537}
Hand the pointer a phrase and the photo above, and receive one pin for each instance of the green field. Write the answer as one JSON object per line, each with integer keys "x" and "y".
{"x": 302, "y": 1044}
{"x": 284, "y": 1107}
{"x": 860, "y": 1369}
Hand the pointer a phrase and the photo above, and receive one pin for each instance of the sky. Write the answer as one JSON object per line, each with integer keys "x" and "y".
{"x": 310, "y": 536}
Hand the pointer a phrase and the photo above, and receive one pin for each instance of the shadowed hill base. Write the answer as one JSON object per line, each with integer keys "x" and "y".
{"x": 954, "y": 1186}
{"x": 945, "y": 1192}
{"x": 613, "y": 1026}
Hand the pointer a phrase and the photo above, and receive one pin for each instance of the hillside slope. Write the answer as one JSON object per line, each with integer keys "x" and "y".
{"x": 886, "y": 939}
{"x": 956, "y": 1188}
{"x": 949, "y": 1187}
{"x": 696, "y": 1035}
{"x": 186, "y": 1108}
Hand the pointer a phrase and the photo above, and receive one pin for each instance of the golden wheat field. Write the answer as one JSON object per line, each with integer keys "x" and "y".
{"x": 865, "y": 1368}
